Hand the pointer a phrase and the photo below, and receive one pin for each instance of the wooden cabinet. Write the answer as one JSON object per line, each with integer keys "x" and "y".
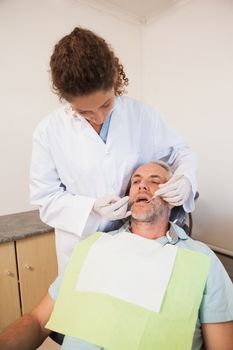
{"x": 9, "y": 291}
{"x": 27, "y": 268}
{"x": 37, "y": 268}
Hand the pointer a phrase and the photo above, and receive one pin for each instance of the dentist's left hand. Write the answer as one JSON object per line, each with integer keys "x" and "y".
{"x": 112, "y": 207}
{"x": 176, "y": 191}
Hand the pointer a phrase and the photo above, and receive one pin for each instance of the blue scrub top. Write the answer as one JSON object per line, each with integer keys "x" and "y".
{"x": 105, "y": 127}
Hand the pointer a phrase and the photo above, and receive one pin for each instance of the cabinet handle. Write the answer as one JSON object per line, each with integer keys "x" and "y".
{"x": 8, "y": 273}
{"x": 28, "y": 267}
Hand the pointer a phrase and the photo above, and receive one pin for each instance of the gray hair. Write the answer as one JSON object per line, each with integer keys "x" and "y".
{"x": 163, "y": 165}
{"x": 158, "y": 162}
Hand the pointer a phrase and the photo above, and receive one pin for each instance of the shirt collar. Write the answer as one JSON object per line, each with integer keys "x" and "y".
{"x": 173, "y": 232}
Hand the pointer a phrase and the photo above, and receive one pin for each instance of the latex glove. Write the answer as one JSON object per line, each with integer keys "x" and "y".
{"x": 175, "y": 191}
{"x": 112, "y": 207}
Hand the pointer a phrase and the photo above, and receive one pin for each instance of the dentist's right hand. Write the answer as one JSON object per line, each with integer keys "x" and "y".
{"x": 112, "y": 207}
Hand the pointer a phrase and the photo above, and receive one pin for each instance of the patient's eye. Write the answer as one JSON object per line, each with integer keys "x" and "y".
{"x": 135, "y": 182}
{"x": 157, "y": 182}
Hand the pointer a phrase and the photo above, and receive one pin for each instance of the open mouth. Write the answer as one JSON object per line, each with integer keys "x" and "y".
{"x": 142, "y": 199}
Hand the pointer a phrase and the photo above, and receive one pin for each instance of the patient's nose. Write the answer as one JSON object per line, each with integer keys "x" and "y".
{"x": 143, "y": 185}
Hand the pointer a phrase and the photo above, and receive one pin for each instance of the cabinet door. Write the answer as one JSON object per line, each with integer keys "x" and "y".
{"x": 9, "y": 290}
{"x": 37, "y": 265}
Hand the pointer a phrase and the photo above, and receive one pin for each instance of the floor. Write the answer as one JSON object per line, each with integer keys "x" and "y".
{"x": 49, "y": 344}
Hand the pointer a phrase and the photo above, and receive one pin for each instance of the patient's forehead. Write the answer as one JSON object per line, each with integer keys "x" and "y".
{"x": 151, "y": 169}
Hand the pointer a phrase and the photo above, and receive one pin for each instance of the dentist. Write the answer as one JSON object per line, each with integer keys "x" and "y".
{"x": 85, "y": 152}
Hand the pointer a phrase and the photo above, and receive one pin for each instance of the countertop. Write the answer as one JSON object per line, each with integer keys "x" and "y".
{"x": 21, "y": 225}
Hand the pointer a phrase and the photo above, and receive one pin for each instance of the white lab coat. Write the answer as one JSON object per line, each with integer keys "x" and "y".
{"x": 71, "y": 166}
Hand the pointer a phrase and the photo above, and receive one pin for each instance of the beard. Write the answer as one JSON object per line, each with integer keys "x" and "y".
{"x": 153, "y": 213}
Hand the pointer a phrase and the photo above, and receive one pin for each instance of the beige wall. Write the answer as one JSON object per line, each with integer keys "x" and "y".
{"x": 186, "y": 57}
{"x": 188, "y": 75}
{"x": 28, "y": 31}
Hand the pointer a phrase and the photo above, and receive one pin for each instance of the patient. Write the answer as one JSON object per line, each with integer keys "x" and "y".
{"x": 146, "y": 286}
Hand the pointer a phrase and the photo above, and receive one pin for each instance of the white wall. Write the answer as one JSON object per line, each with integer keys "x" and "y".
{"x": 28, "y": 32}
{"x": 186, "y": 55}
{"x": 188, "y": 75}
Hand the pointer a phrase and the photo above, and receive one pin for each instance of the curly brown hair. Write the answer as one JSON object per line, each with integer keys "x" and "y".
{"x": 83, "y": 63}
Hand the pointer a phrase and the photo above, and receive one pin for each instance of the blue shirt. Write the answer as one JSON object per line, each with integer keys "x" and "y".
{"x": 105, "y": 127}
{"x": 217, "y": 300}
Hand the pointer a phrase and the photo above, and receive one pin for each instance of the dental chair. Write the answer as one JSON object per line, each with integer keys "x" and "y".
{"x": 57, "y": 337}
{"x": 183, "y": 219}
